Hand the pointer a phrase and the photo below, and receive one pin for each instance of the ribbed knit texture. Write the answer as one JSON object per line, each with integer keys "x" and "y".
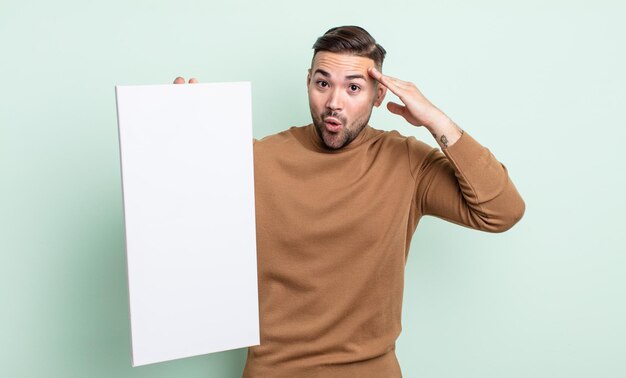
{"x": 333, "y": 236}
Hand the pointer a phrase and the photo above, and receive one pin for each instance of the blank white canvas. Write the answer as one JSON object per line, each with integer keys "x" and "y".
{"x": 188, "y": 190}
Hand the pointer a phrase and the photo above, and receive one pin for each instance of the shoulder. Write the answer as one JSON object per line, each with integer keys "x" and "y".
{"x": 284, "y": 137}
{"x": 413, "y": 151}
{"x": 288, "y": 142}
{"x": 409, "y": 144}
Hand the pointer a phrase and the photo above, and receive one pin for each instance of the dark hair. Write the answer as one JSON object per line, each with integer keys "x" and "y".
{"x": 351, "y": 40}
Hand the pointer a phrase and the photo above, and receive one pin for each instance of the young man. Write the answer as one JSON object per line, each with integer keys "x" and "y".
{"x": 337, "y": 204}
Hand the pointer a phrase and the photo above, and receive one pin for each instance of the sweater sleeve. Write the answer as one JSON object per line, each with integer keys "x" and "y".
{"x": 466, "y": 185}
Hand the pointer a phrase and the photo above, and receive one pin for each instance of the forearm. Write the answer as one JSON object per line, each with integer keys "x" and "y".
{"x": 470, "y": 187}
{"x": 444, "y": 130}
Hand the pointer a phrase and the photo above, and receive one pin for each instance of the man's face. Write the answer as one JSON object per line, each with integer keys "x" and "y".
{"x": 341, "y": 96}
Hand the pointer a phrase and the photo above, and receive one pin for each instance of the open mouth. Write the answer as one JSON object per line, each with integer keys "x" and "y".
{"x": 332, "y": 124}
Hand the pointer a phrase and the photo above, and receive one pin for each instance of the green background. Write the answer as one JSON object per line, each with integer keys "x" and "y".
{"x": 542, "y": 84}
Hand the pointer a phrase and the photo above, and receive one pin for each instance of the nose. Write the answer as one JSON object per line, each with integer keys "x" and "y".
{"x": 334, "y": 100}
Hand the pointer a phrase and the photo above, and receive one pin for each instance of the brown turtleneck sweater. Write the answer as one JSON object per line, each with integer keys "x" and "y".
{"x": 333, "y": 234}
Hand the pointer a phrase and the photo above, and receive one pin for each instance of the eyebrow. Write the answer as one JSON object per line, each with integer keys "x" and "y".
{"x": 349, "y": 77}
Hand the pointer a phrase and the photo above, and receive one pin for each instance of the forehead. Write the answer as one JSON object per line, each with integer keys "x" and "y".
{"x": 340, "y": 64}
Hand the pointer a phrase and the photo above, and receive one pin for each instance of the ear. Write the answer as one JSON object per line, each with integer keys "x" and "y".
{"x": 381, "y": 91}
{"x": 308, "y": 77}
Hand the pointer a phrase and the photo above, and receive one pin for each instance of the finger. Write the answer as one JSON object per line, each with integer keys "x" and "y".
{"x": 373, "y": 72}
{"x": 396, "y": 108}
{"x": 179, "y": 80}
{"x": 395, "y": 80}
{"x": 387, "y": 81}
{"x": 193, "y": 80}
{"x": 399, "y": 83}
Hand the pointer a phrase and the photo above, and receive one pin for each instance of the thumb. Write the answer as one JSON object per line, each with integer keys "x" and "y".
{"x": 396, "y": 108}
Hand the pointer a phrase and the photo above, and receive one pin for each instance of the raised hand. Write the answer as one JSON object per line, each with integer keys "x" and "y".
{"x": 417, "y": 110}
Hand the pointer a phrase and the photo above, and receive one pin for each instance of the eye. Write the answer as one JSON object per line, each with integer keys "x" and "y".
{"x": 354, "y": 88}
{"x": 322, "y": 83}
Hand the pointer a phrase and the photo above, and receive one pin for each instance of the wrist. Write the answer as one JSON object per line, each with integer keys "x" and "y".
{"x": 445, "y": 131}
{"x": 441, "y": 124}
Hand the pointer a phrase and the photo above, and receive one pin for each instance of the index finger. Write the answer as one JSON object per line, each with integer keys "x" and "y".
{"x": 387, "y": 81}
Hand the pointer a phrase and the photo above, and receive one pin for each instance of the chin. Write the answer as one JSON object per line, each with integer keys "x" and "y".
{"x": 334, "y": 141}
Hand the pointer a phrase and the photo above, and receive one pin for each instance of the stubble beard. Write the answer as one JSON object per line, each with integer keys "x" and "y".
{"x": 336, "y": 141}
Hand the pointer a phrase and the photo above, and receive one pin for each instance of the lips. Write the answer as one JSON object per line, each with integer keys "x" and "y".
{"x": 332, "y": 124}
